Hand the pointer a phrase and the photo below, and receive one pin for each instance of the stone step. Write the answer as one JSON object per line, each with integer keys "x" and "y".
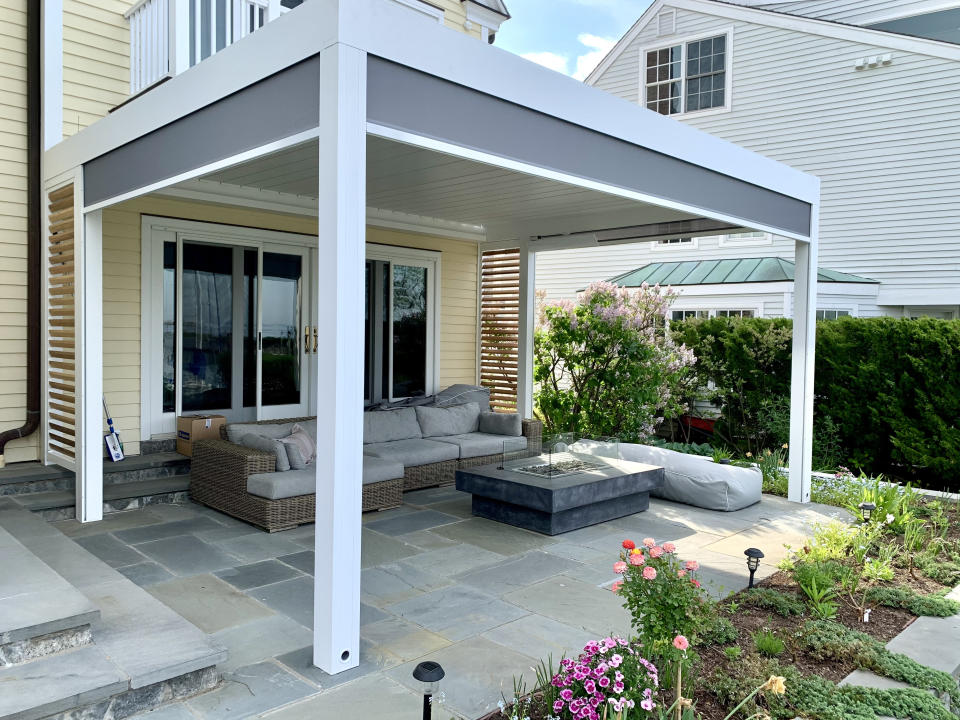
{"x": 40, "y": 612}
{"x": 158, "y": 445}
{"x": 155, "y": 654}
{"x": 59, "y": 505}
{"x": 27, "y": 478}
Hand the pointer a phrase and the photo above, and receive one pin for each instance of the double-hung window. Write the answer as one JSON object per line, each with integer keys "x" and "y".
{"x": 687, "y": 77}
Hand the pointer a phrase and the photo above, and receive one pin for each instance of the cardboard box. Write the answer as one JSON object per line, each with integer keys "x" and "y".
{"x": 191, "y": 428}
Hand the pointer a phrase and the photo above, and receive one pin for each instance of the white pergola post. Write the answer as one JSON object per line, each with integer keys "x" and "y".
{"x": 340, "y": 295}
{"x": 527, "y": 312}
{"x": 178, "y": 36}
{"x": 801, "y": 378}
{"x": 89, "y": 367}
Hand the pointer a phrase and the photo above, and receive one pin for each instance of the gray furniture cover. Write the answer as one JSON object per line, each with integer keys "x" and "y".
{"x": 697, "y": 480}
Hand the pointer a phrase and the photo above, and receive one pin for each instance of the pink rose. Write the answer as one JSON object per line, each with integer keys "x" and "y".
{"x": 692, "y": 565}
{"x": 649, "y": 573}
{"x": 656, "y": 551}
{"x": 669, "y": 547}
{"x": 695, "y": 583}
{"x": 637, "y": 560}
{"x": 619, "y": 567}
{"x": 649, "y": 542}
{"x": 616, "y": 586}
{"x": 680, "y": 642}
{"x": 681, "y": 573}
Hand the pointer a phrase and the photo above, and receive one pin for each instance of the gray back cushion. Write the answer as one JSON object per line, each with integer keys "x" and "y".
{"x": 235, "y": 431}
{"x": 460, "y": 394}
{"x": 270, "y": 445}
{"x": 501, "y": 423}
{"x": 455, "y": 420}
{"x": 390, "y": 425}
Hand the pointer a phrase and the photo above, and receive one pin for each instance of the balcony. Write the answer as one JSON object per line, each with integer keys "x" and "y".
{"x": 169, "y": 36}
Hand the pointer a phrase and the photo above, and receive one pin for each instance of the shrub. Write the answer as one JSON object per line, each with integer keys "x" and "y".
{"x": 773, "y": 600}
{"x": 606, "y": 366}
{"x": 886, "y": 388}
{"x": 900, "y": 597}
{"x": 719, "y": 631}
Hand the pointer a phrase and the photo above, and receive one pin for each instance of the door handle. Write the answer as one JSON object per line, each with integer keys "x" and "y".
{"x": 306, "y": 339}
{"x": 315, "y": 340}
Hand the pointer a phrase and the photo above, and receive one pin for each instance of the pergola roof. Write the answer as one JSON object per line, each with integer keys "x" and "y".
{"x": 728, "y": 271}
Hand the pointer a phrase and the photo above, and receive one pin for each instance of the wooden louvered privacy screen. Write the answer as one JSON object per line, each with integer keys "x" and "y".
{"x": 61, "y": 327}
{"x": 499, "y": 326}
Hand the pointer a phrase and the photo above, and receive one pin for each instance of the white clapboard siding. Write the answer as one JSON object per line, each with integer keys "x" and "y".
{"x": 855, "y": 12}
{"x": 884, "y": 141}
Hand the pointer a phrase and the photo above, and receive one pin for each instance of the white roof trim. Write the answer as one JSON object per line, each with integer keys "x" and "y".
{"x": 773, "y": 18}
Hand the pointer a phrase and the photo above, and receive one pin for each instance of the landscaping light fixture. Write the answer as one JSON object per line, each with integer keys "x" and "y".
{"x": 429, "y": 674}
{"x": 753, "y": 562}
{"x": 865, "y": 509}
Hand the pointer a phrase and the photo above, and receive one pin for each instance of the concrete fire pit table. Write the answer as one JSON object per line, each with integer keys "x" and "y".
{"x": 594, "y": 490}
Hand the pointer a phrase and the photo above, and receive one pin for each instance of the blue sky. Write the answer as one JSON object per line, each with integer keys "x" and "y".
{"x": 570, "y": 36}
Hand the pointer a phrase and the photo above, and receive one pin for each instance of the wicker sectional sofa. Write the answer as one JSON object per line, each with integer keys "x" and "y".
{"x": 243, "y": 482}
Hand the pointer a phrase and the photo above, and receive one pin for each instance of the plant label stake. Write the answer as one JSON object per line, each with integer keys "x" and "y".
{"x": 112, "y": 438}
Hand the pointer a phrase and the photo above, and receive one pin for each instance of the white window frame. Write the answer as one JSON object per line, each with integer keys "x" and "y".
{"x": 431, "y": 260}
{"x": 732, "y": 241}
{"x": 682, "y": 42}
{"x": 848, "y": 312}
{"x": 684, "y": 244}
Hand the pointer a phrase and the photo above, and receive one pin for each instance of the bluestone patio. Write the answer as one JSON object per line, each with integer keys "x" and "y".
{"x": 485, "y": 600}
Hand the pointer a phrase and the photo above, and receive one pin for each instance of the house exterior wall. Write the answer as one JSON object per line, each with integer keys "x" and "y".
{"x": 13, "y": 226}
{"x": 457, "y": 351}
{"x": 884, "y": 142}
{"x": 855, "y": 12}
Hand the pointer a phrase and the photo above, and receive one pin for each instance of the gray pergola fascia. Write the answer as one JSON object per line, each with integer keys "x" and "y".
{"x": 334, "y": 72}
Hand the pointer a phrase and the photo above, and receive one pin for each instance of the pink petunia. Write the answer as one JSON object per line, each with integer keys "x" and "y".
{"x": 656, "y": 551}
{"x": 619, "y": 567}
{"x": 649, "y": 542}
{"x": 637, "y": 560}
{"x": 691, "y": 565}
{"x": 649, "y": 573}
{"x": 681, "y": 643}
{"x": 669, "y": 547}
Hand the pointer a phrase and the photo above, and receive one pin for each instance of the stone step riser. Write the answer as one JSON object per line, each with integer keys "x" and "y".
{"x": 29, "y": 649}
{"x": 141, "y": 700}
{"x": 112, "y": 506}
{"x": 151, "y": 447}
{"x": 109, "y": 478}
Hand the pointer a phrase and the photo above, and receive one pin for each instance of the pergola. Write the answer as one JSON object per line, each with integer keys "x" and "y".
{"x": 369, "y": 103}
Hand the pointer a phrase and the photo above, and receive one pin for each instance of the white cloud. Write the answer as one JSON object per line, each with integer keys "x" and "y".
{"x": 549, "y": 60}
{"x": 599, "y": 47}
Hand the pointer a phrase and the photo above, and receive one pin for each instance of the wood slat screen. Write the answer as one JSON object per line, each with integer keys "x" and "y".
{"x": 499, "y": 326}
{"x": 61, "y": 326}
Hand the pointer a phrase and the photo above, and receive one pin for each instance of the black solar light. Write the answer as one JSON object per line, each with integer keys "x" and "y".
{"x": 866, "y": 508}
{"x": 753, "y": 562}
{"x": 429, "y": 674}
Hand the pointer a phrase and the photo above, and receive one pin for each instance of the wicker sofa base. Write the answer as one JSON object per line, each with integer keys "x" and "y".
{"x": 432, "y": 475}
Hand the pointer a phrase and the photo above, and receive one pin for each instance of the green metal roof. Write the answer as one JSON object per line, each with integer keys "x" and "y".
{"x": 732, "y": 270}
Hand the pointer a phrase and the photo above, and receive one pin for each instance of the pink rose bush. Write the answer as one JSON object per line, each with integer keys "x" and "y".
{"x": 666, "y": 602}
{"x": 609, "y": 679}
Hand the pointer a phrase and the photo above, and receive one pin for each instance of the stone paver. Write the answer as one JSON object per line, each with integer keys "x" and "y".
{"x": 145, "y": 573}
{"x": 368, "y": 698}
{"x": 372, "y": 660}
{"x": 249, "y": 691}
{"x": 208, "y": 602}
{"x": 494, "y": 537}
{"x": 164, "y": 530}
{"x": 258, "y": 574}
{"x": 541, "y": 637}
{"x": 293, "y": 598}
{"x": 575, "y": 603}
{"x": 376, "y": 549}
{"x": 457, "y": 612}
{"x": 112, "y": 551}
{"x": 402, "y": 639}
{"x": 454, "y": 560}
{"x": 518, "y": 572}
{"x": 412, "y": 522}
{"x": 303, "y": 561}
{"x": 187, "y": 555}
{"x": 262, "y": 639}
{"x": 257, "y": 547}
{"x": 926, "y": 642}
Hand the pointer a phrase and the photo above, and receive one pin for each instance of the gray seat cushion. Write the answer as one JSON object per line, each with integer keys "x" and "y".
{"x": 410, "y": 453}
{"x": 382, "y": 426}
{"x": 235, "y": 431}
{"x": 453, "y": 420}
{"x": 476, "y": 444}
{"x": 501, "y": 423}
{"x": 377, "y": 469}
{"x": 277, "y": 485}
{"x": 699, "y": 481}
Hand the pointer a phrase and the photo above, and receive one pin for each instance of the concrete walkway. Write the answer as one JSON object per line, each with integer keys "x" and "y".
{"x": 485, "y": 600}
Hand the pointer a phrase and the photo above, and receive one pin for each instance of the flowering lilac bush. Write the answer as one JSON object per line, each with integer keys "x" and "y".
{"x": 606, "y": 367}
{"x": 609, "y": 679}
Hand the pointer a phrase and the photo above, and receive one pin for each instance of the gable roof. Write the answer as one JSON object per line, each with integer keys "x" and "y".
{"x": 722, "y": 272}
{"x": 787, "y": 21}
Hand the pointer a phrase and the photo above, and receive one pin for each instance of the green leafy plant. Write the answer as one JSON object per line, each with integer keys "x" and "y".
{"x": 719, "y": 631}
{"x": 901, "y": 597}
{"x": 773, "y": 600}
{"x": 606, "y": 366}
{"x": 768, "y": 643}
{"x": 821, "y": 598}
{"x": 721, "y": 454}
{"x": 895, "y": 504}
{"x": 733, "y": 652}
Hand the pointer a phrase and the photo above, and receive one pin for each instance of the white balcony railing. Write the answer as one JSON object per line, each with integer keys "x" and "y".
{"x": 169, "y": 36}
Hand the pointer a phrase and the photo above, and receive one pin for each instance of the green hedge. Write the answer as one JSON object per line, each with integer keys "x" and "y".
{"x": 887, "y": 390}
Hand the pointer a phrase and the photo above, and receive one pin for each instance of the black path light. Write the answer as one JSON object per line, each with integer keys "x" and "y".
{"x": 753, "y": 562}
{"x": 866, "y": 508}
{"x": 429, "y": 674}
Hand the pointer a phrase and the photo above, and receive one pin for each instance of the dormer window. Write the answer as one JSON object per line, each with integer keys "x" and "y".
{"x": 687, "y": 77}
